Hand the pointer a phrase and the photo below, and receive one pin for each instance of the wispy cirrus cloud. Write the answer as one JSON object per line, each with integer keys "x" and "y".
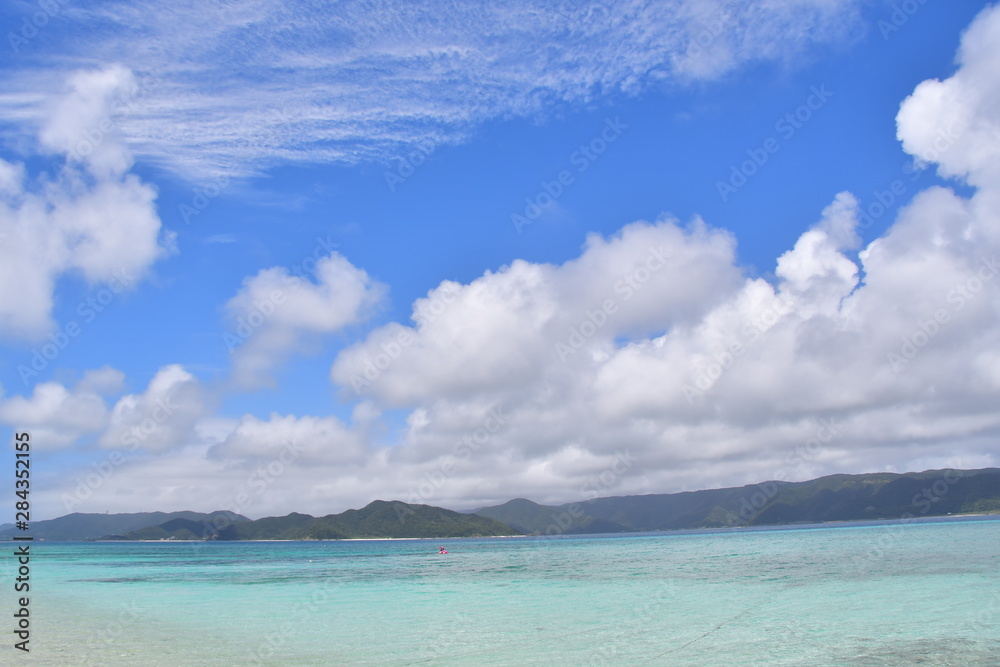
{"x": 653, "y": 340}
{"x": 240, "y": 87}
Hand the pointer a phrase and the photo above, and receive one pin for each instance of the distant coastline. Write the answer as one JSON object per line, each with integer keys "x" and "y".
{"x": 834, "y": 498}
{"x": 677, "y": 531}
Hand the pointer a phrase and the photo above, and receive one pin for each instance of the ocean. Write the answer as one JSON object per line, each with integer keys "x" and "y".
{"x": 924, "y": 592}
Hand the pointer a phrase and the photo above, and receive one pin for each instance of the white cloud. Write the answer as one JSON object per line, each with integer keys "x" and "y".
{"x": 524, "y": 323}
{"x": 308, "y": 441}
{"x": 263, "y": 83}
{"x": 106, "y": 381}
{"x": 11, "y": 178}
{"x": 954, "y": 123}
{"x": 81, "y": 123}
{"x": 91, "y": 220}
{"x": 815, "y": 274}
{"x": 162, "y": 417}
{"x": 275, "y": 313}
{"x": 56, "y": 416}
{"x": 715, "y": 378}
{"x": 704, "y": 377}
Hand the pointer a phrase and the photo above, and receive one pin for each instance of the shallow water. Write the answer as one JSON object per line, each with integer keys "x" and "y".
{"x": 920, "y": 593}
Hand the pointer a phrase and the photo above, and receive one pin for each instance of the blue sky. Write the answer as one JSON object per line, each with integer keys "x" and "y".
{"x": 395, "y": 158}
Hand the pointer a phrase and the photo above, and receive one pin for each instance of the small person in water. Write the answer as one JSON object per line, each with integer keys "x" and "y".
{"x": 442, "y": 550}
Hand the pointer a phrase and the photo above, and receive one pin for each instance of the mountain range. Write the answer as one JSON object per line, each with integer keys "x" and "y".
{"x": 79, "y": 526}
{"x": 378, "y": 519}
{"x": 831, "y": 498}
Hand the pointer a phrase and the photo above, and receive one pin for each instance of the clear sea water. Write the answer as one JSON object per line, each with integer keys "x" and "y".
{"x": 924, "y": 593}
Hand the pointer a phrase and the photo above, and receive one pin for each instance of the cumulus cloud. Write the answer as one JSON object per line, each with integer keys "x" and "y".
{"x": 307, "y": 440}
{"x": 815, "y": 273}
{"x": 275, "y": 313}
{"x": 162, "y": 417}
{"x": 91, "y": 220}
{"x": 262, "y": 83}
{"x": 953, "y": 123}
{"x": 11, "y": 178}
{"x": 80, "y": 124}
{"x": 522, "y": 323}
{"x": 535, "y": 379}
{"x": 105, "y": 380}
{"x": 715, "y": 377}
{"x": 56, "y": 416}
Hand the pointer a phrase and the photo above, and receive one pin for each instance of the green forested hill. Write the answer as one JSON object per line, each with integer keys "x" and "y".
{"x": 378, "y": 519}
{"x": 79, "y": 526}
{"x": 831, "y": 498}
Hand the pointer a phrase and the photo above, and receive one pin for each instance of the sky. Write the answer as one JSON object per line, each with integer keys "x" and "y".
{"x": 269, "y": 257}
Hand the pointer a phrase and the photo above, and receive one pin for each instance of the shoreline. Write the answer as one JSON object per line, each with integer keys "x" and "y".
{"x": 344, "y": 539}
{"x": 845, "y": 522}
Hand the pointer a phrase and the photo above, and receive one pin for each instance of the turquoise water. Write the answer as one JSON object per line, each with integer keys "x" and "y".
{"x": 920, "y": 593}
